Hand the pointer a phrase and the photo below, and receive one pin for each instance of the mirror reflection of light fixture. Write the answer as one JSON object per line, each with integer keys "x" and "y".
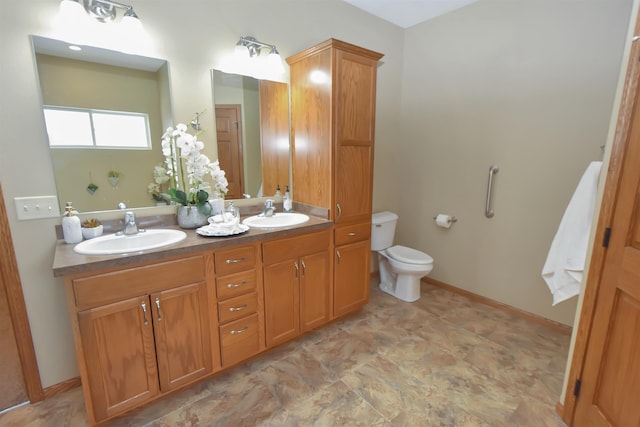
{"x": 248, "y": 47}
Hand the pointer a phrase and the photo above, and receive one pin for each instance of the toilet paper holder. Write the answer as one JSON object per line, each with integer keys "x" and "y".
{"x": 452, "y": 219}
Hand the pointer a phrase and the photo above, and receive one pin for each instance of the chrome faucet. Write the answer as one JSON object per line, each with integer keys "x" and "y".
{"x": 130, "y": 226}
{"x": 269, "y": 209}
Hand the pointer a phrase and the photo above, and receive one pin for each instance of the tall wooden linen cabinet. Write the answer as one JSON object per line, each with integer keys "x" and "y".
{"x": 333, "y": 103}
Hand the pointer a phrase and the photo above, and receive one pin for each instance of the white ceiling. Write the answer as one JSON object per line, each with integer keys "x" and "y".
{"x": 407, "y": 13}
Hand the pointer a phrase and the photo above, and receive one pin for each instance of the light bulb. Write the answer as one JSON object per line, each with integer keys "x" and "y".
{"x": 275, "y": 62}
{"x": 71, "y": 9}
{"x": 241, "y": 51}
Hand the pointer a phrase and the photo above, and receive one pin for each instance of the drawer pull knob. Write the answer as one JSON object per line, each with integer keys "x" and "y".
{"x": 351, "y": 234}
{"x": 239, "y": 331}
{"x": 236, "y": 285}
{"x": 233, "y": 261}
{"x": 240, "y": 307}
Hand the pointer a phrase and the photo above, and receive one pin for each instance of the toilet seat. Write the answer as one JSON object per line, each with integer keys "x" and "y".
{"x": 408, "y": 255}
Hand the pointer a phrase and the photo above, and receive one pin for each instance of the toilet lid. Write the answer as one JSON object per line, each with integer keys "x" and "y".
{"x": 408, "y": 255}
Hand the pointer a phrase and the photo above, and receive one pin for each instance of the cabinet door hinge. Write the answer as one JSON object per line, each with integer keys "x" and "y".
{"x": 576, "y": 388}
{"x": 607, "y": 236}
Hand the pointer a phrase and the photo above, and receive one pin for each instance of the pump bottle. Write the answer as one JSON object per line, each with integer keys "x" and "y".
{"x": 287, "y": 201}
{"x": 71, "y": 227}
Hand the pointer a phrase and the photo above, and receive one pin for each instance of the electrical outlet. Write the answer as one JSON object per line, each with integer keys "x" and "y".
{"x": 38, "y": 207}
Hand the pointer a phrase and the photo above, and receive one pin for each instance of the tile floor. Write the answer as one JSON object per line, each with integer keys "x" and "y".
{"x": 441, "y": 361}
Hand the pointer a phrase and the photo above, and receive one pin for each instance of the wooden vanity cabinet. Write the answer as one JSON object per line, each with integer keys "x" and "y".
{"x": 239, "y": 303}
{"x": 333, "y": 99}
{"x": 142, "y": 331}
{"x": 297, "y": 273}
{"x": 351, "y": 268}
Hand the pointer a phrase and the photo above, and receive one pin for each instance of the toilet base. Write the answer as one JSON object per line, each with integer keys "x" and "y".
{"x": 404, "y": 288}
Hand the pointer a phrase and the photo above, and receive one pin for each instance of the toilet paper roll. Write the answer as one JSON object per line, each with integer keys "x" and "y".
{"x": 444, "y": 221}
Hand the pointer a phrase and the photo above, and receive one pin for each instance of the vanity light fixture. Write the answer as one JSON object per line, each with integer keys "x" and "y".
{"x": 249, "y": 47}
{"x": 101, "y": 23}
{"x": 102, "y": 10}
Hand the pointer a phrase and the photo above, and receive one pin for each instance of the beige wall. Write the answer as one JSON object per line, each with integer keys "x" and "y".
{"x": 526, "y": 85}
{"x": 194, "y": 36}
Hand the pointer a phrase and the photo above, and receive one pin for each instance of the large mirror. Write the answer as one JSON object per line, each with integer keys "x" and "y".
{"x": 252, "y": 130}
{"x": 91, "y": 81}
{"x": 102, "y": 79}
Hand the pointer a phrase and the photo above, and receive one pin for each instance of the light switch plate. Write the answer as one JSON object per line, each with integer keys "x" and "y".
{"x": 38, "y": 207}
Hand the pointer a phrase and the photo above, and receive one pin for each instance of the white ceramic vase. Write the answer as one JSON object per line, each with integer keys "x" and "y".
{"x": 190, "y": 217}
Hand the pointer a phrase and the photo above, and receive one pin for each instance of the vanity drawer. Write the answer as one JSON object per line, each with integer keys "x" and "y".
{"x": 115, "y": 286}
{"x": 235, "y": 260}
{"x": 237, "y": 307}
{"x": 235, "y": 284}
{"x": 294, "y": 247}
{"x": 352, "y": 233}
{"x": 239, "y": 340}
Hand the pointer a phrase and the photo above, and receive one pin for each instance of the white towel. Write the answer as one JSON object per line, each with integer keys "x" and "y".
{"x": 565, "y": 262}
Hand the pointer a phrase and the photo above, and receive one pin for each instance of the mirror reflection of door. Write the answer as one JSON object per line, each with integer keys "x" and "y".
{"x": 229, "y": 134}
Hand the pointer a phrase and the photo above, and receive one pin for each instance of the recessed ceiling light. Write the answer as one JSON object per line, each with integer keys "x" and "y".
{"x": 74, "y": 47}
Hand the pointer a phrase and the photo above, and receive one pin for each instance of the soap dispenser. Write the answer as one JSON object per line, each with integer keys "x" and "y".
{"x": 71, "y": 227}
{"x": 278, "y": 193}
{"x": 287, "y": 201}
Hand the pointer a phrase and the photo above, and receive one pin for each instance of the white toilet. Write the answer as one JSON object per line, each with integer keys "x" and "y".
{"x": 401, "y": 268}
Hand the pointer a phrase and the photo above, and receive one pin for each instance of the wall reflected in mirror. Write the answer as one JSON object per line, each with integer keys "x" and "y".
{"x": 92, "y": 79}
{"x": 252, "y": 130}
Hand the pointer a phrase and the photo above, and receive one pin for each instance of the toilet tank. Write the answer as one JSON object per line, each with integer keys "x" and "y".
{"x": 383, "y": 228}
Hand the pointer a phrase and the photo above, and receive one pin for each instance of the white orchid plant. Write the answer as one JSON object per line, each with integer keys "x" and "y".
{"x": 182, "y": 154}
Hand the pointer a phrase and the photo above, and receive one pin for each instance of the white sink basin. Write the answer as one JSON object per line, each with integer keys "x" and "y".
{"x": 120, "y": 244}
{"x": 278, "y": 220}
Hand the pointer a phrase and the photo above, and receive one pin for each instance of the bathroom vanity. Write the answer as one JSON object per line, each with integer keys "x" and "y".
{"x": 151, "y": 322}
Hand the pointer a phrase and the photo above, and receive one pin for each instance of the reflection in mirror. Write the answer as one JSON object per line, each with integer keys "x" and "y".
{"x": 252, "y": 130}
{"x": 95, "y": 81}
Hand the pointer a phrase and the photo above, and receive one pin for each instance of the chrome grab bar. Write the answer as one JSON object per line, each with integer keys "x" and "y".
{"x": 488, "y": 212}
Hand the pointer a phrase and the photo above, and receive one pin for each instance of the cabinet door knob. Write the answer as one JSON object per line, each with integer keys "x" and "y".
{"x": 339, "y": 256}
{"x": 295, "y": 264}
{"x": 144, "y": 312}
{"x": 158, "y": 307}
{"x": 304, "y": 267}
{"x": 339, "y": 210}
